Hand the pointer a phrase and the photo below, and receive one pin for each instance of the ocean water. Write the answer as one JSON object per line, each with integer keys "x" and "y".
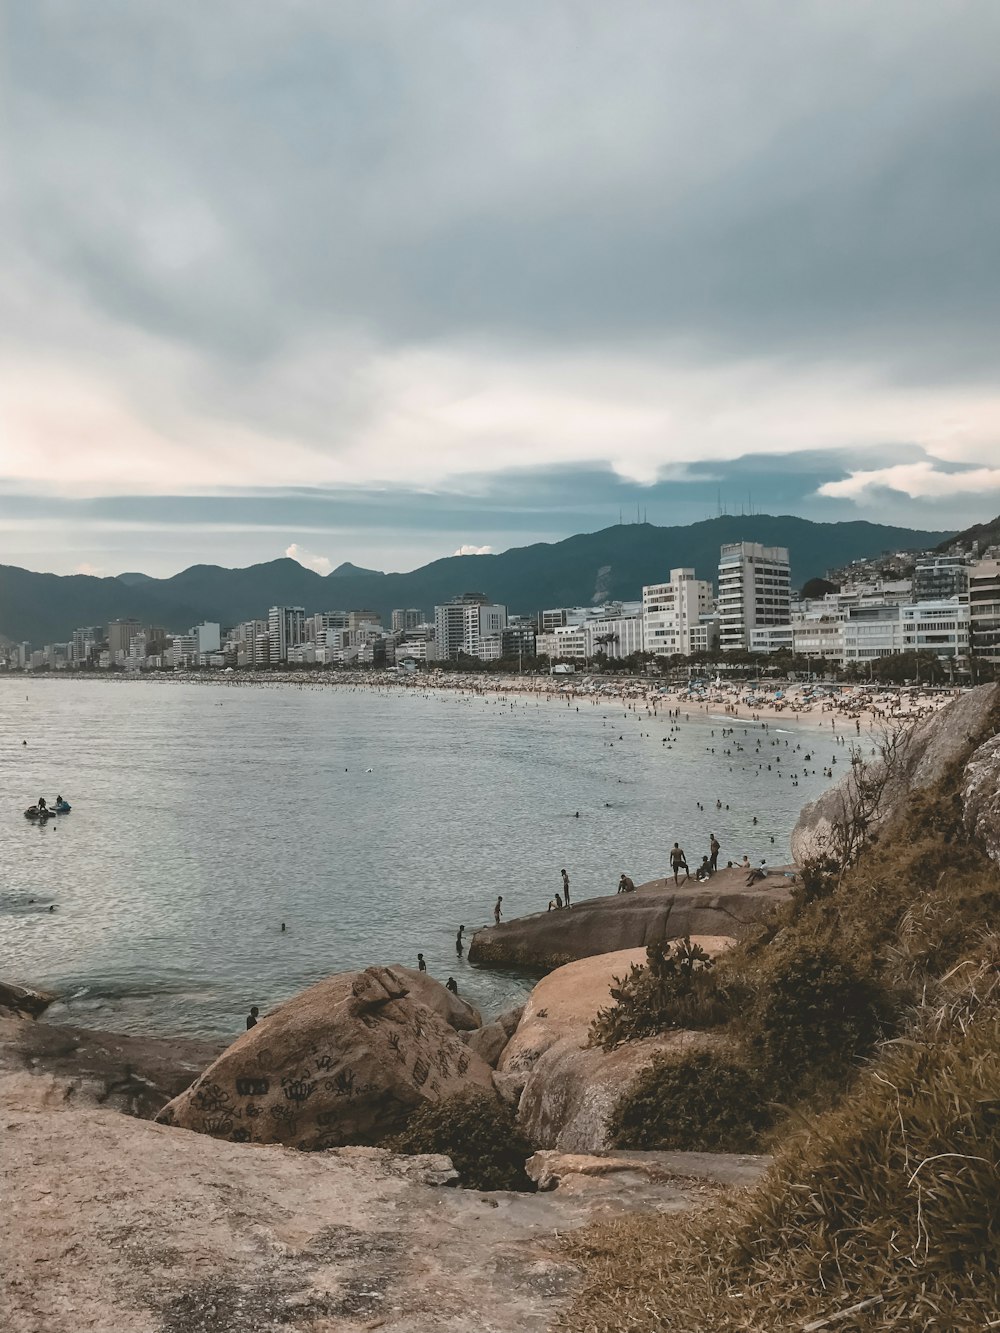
{"x": 371, "y": 822}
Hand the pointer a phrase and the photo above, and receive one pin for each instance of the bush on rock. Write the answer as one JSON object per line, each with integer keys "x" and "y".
{"x": 478, "y": 1133}
{"x": 675, "y": 988}
{"x": 704, "y": 1100}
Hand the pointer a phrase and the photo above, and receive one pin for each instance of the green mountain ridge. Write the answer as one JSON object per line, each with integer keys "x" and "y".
{"x": 588, "y": 568}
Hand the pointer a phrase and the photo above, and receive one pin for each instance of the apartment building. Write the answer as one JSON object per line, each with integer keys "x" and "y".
{"x": 754, "y": 591}
{"x": 672, "y": 612}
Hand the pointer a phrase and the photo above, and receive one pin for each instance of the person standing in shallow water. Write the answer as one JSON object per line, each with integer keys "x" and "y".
{"x": 497, "y": 910}
{"x": 252, "y": 1017}
{"x": 565, "y": 880}
{"x": 458, "y": 941}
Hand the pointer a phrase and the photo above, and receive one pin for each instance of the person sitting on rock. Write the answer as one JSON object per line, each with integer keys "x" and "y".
{"x": 252, "y": 1017}
{"x": 452, "y": 985}
{"x": 626, "y": 884}
{"x": 704, "y": 871}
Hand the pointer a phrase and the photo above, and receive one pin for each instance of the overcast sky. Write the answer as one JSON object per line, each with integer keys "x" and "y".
{"x": 380, "y": 281}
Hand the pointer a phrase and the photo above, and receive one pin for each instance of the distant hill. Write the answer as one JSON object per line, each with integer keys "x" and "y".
{"x": 986, "y": 534}
{"x": 347, "y": 569}
{"x": 131, "y": 579}
{"x": 590, "y": 568}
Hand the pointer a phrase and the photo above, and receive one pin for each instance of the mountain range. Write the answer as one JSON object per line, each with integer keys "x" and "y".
{"x": 589, "y": 568}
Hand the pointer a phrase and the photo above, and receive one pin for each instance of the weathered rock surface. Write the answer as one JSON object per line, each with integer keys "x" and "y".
{"x": 567, "y": 1089}
{"x": 345, "y": 1062}
{"x": 578, "y": 1171}
{"x": 656, "y": 911}
{"x": 489, "y": 1042}
{"x": 137, "y": 1075}
{"x": 981, "y": 796}
{"x": 121, "y": 1226}
{"x": 920, "y": 759}
{"x": 24, "y": 1000}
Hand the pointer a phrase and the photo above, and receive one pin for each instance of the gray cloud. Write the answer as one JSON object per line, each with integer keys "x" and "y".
{"x": 243, "y": 217}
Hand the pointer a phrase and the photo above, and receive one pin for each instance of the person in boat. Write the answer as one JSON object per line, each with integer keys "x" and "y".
{"x": 41, "y": 807}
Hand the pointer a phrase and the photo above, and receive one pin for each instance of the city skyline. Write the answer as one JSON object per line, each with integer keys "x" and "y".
{"x": 380, "y": 283}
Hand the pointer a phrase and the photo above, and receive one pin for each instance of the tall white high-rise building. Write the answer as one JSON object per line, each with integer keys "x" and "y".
{"x": 286, "y": 629}
{"x": 461, "y": 625}
{"x": 671, "y": 613}
{"x": 754, "y": 591}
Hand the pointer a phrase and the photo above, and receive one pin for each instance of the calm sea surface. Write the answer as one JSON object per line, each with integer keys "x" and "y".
{"x": 373, "y": 823}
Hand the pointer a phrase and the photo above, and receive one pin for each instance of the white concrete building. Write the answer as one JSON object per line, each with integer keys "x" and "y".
{"x": 207, "y": 637}
{"x": 672, "y": 611}
{"x": 819, "y": 634}
{"x": 771, "y": 638}
{"x": 754, "y": 591}
{"x": 461, "y": 625}
{"x": 940, "y": 627}
{"x": 286, "y": 629}
{"x": 984, "y": 609}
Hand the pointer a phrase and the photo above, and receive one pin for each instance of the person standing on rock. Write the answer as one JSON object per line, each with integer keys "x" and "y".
{"x": 714, "y": 848}
{"x": 497, "y": 910}
{"x": 678, "y": 860}
{"x": 252, "y": 1017}
{"x": 565, "y": 880}
{"x": 421, "y": 965}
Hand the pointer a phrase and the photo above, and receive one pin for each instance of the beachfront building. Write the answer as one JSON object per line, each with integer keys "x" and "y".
{"x": 819, "y": 635}
{"x": 940, "y": 627}
{"x": 286, "y": 627}
{"x": 406, "y": 618}
{"x": 984, "y": 609}
{"x": 463, "y": 624}
{"x": 705, "y": 635}
{"x": 772, "y": 638}
{"x": 754, "y": 591}
{"x": 672, "y": 611}
{"x": 938, "y": 577}
{"x": 615, "y": 630}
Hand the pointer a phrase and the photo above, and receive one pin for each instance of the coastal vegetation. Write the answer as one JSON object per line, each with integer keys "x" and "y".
{"x": 858, "y": 1039}
{"x": 478, "y": 1132}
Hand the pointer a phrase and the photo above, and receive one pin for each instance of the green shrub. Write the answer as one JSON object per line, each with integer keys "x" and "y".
{"x": 675, "y": 988}
{"x": 814, "y": 1013}
{"x": 478, "y": 1132}
{"x": 699, "y": 1101}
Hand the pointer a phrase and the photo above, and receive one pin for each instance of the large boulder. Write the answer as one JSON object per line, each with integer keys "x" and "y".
{"x": 489, "y": 1042}
{"x": 981, "y": 796}
{"x": 917, "y": 758}
{"x": 24, "y": 1000}
{"x": 656, "y": 911}
{"x": 345, "y": 1062}
{"x": 567, "y": 1089}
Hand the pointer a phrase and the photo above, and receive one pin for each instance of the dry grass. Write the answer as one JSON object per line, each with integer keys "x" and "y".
{"x": 884, "y": 1210}
{"x": 892, "y": 1199}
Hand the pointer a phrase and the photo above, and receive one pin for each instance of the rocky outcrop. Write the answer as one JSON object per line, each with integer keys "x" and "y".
{"x": 579, "y": 1172}
{"x": 24, "y": 1000}
{"x": 567, "y": 1089}
{"x": 656, "y": 911}
{"x": 489, "y": 1042}
{"x": 981, "y": 796}
{"x": 137, "y": 1075}
{"x": 918, "y": 759}
{"x": 345, "y": 1062}
{"x": 113, "y": 1224}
